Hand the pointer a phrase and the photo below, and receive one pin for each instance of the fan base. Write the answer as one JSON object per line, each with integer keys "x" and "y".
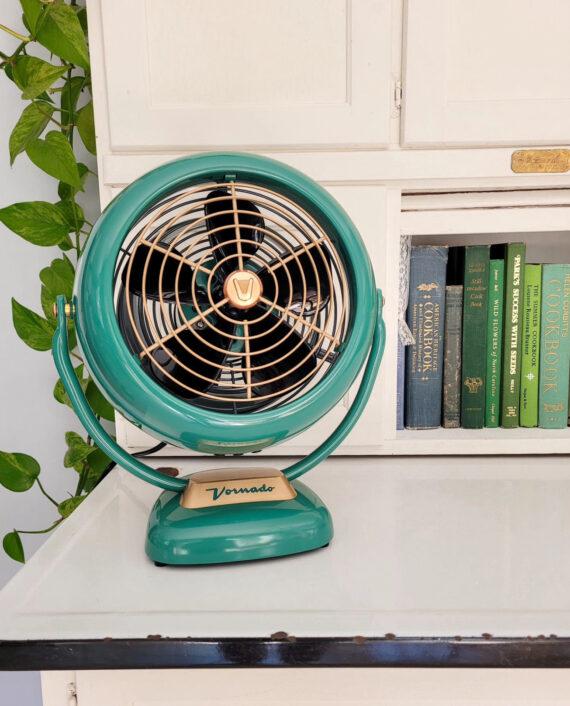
{"x": 179, "y": 536}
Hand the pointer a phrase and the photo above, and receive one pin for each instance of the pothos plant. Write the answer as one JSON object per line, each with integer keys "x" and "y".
{"x": 57, "y": 110}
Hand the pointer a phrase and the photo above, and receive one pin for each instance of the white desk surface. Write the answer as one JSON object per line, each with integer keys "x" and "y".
{"x": 423, "y": 547}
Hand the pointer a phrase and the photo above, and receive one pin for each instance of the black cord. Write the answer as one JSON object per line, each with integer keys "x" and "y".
{"x": 149, "y": 452}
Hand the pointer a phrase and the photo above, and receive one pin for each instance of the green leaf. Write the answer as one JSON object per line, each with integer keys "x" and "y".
{"x": 57, "y": 279}
{"x": 59, "y": 391}
{"x": 98, "y": 403}
{"x": 67, "y": 192}
{"x": 66, "y": 507}
{"x": 62, "y": 34}
{"x": 73, "y": 214}
{"x": 34, "y": 330}
{"x": 18, "y": 472}
{"x": 32, "y": 10}
{"x": 13, "y": 546}
{"x": 38, "y": 222}
{"x": 77, "y": 449}
{"x": 69, "y": 96}
{"x": 29, "y": 127}
{"x": 34, "y": 76}
{"x": 86, "y": 127}
{"x": 55, "y": 156}
{"x": 97, "y": 463}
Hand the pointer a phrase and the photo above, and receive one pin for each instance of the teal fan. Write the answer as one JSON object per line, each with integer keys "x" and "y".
{"x": 225, "y": 303}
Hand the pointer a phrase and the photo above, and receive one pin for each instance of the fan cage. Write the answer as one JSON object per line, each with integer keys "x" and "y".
{"x": 154, "y": 325}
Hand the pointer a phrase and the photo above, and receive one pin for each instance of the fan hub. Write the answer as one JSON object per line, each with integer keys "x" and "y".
{"x": 243, "y": 288}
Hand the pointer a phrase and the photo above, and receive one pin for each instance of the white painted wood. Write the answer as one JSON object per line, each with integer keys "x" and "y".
{"x": 479, "y": 72}
{"x": 486, "y": 200}
{"x": 413, "y": 170}
{"x": 317, "y": 687}
{"x": 422, "y": 546}
{"x": 196, "y": 74}
{"x": 59, "y": 688}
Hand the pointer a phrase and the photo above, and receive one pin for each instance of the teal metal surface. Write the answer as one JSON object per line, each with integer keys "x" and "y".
{"x": 231, "y": 533}
{"x": 119, "y": 374}
{"x": 141, "y": 470}
{"x": 89, "y": 420}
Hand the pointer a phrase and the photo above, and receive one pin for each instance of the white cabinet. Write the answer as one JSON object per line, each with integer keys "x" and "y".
{"x": 310, "y": 687}
{"x": 345, "y": 90}
{"x": 192, "y": 74}
{"x": 481, "y": 72}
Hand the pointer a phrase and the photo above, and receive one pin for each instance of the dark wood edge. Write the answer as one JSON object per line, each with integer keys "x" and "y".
{"x": 155, "y": 652}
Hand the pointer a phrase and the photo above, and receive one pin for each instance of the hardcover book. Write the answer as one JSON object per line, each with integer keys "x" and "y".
{"x": 452, "y": 338}
{"x": 554, "y": 347}
{"x": 530, "y": 345}
{"x": 495, "y": 305}
{"x": 474, "y": 369}
{"x": 425, "y": 318}
{"x": 512, "y": 334}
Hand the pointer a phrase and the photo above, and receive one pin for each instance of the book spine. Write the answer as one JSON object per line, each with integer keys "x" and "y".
{"x": 495, "y": 305}
{"x": 425, "y": 318}
{"x": 514, "y": 283}
{"x": 474, "y": 369}
{"x": 554, "y": 347}
{"x": 530, "y": 345}
{"x": 400, "y": 380}
{"x": 452, "y": 356}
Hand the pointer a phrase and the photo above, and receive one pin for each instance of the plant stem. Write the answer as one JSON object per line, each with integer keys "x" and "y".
{"x": 44, "y": 531}
{"x": 48, "y": 496}
{"x": 15, "y": 34}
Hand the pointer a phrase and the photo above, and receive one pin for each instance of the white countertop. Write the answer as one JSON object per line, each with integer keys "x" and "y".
{"x": 423, "y": 547}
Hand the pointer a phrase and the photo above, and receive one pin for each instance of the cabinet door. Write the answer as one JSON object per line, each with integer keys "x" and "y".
{"x": 368, "y": 208}
{"x": 193, "y": 74}
{"x": 318, "y": 687}
{"x": 486, "y": 72}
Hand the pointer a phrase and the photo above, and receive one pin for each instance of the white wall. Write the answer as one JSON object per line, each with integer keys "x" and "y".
{"x": 31, "y": 421}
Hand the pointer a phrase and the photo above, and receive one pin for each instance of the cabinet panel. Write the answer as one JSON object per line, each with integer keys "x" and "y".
{"x": 316, "y": 687}
{"x": 482, "y": 72}
{"x": 197, "y": 74}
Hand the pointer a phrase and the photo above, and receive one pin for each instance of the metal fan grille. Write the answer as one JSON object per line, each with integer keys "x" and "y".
{"x": 233, "y": 297}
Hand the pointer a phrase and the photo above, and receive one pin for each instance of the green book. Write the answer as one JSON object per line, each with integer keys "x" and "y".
{"x": 530, "y": 345}
{"x": 554, "y": 347}
{"x": 474, "y": 344}
{"x": 495, "y": 305}
{"x": 512, "y": 334}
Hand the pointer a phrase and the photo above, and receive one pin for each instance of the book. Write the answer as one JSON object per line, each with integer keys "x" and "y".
{"x": 425, "y": 318}
{"x": 452, "y": 338}
{"x": 400, "y": 380}
{"x": 474, "y": 342}
{"x": 512, "y": 335}
{"x": 554, "y": 347}
{"x": 530, "y": 345}
{"x": 495, "y": 303}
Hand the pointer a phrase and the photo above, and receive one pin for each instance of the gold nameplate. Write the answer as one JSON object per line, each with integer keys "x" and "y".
{"x": 224, "y": 486}
{"x": 540, "y": 161}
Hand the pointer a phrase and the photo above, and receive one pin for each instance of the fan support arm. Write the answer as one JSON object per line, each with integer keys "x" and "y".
{"x": 356, "y": 408}
{"x": 107, "y": 444}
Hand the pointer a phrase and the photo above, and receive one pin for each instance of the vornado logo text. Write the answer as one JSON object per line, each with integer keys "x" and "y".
{"x": 218, "y": 492}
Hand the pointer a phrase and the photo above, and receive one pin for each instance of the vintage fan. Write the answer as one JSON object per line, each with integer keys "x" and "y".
{"x": 225, "y": 303}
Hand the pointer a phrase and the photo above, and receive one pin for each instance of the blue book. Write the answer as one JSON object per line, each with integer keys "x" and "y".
{"x": 400, "y": 377}
{"x": 425, "y": 317}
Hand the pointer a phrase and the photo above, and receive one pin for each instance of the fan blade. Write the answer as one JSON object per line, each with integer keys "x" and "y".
{"x": 226, "y": 229}
{"x": 162, "y": 359}
{"x": 284, "y": 339}
{"x": 315, "y": 265}
{"x": 172, "y": 264}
